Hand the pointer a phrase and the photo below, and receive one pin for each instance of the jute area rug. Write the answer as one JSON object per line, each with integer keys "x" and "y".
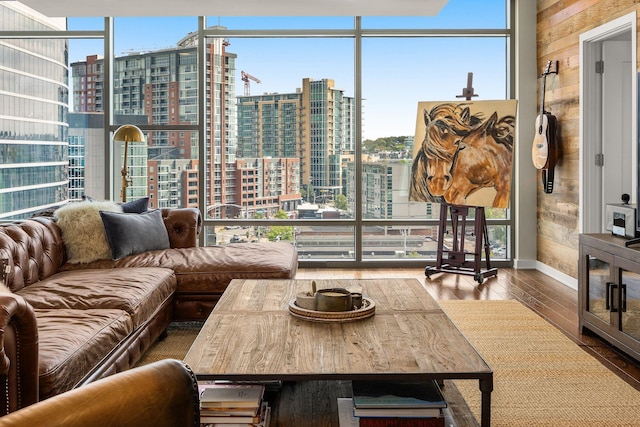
{"x": 541, "y": 378}
{"x": 180, "y": 336}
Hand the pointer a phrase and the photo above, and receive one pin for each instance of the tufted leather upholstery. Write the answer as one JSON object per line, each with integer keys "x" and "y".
{"x": 64, "y": 325}
{"x": 36, "y": 255}
{"x": 183, "y": 225}
{"x": 34, "y": 249}
{"x": 161, "y": 394}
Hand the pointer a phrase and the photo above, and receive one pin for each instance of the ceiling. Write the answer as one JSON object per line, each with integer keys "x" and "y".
{"x": 84, "y": 8}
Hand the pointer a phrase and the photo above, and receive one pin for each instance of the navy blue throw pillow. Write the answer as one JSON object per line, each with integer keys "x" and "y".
{"x": 136, "y": 206}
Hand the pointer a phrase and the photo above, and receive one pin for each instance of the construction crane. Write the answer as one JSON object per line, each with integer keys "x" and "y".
{"x": 245, "y": 78}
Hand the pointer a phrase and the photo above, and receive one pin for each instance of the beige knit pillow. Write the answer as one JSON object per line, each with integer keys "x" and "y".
{"x": 83, "y": 230}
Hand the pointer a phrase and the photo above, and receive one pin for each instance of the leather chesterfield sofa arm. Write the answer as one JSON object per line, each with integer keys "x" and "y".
{"x": 18, "y": 351}
{"x": 161, "y": 394}
{"x": 183, "y": 226}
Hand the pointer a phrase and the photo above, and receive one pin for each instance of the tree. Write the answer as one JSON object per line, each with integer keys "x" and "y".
{"x": 280, "y": 232}
{"x": 341, "y": 202}
{"x": 389, "y": 143}
{"x": 281, "y": 215}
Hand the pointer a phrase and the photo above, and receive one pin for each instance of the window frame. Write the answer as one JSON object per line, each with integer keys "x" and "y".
{"x": 358, "y": 222}
{"x": 357, "y": 33}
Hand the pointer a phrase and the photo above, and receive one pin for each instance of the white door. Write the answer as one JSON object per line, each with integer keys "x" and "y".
{"x": 616, "y": 139}
{"x": 608, "y": 122}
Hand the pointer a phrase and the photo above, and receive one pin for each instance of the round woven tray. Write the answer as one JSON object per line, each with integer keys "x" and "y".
{"x": 368, "y": 309}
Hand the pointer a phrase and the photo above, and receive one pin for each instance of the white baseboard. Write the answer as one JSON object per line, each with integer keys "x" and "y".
{"x": 529, "y": 264}
{"x": 561, "y": 277}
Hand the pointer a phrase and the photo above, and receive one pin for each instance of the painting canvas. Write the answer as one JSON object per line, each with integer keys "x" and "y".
{"x": 463, "y": 153}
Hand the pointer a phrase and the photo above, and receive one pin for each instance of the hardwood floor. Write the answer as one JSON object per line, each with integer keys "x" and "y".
{"x": 552, "y": 300}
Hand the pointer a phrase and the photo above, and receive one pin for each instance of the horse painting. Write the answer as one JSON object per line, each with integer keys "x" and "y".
{"x": 484, "y": 161}
{"x": 461, "y": 154}
{"x": 445, "y": 126}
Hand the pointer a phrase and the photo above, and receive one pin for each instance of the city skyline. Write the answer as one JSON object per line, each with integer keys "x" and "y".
{"x": 408, "y": 70}
{"x": 160, "y": 87}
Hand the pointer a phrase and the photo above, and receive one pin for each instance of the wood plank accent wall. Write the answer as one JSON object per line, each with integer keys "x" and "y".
{"x": 559, "y": 25}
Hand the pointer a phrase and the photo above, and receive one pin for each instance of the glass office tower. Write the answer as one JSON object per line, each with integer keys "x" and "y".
{"x": 33, "y": 115}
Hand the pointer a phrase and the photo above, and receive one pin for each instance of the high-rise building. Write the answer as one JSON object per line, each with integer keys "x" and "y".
{"x": 162, "y": 85}
{"x": 267, "y": 185}
{"x": 87, "y": 83}
{"x": 33, "y": 115}
{"x": 173, "y": 183}
{"x": 385, "y": 191}
{"x": 270, "y": 125}
{"x": 314, "y": 124}
{"x": 86, "y": 156}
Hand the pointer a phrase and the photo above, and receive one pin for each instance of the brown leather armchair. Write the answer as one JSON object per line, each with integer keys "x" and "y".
{"x": 161, "y": 394}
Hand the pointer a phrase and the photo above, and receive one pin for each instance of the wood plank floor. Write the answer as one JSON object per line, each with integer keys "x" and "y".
{"x": 552, "y": 300}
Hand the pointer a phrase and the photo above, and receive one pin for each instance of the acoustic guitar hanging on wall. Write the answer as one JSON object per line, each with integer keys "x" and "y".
{"x": 544, "y": 152}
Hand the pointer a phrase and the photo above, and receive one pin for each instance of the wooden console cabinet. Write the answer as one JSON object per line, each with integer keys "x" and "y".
{"x": 609, "y": 290}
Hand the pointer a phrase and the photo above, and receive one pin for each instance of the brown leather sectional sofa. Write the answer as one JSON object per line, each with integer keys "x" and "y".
{"x": 159, "y": 394}
{"x": 63, "y": 325}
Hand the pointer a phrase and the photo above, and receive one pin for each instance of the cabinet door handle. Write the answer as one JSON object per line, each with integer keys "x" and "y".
{"x": 609, "y": 297}
{"x": 623, "y": 289}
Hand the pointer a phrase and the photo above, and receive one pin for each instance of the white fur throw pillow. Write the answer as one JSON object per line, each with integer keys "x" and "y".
{"x": 83, "y": 231}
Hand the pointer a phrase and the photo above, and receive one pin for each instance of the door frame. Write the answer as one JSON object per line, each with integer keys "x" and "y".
{"x": 590, "y": 209}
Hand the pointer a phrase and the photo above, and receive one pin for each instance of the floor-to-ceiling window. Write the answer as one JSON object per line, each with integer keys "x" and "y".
{"x": 155, "y": 87}
{"x": 339, "y": 97}
{"x": 297, "y": 129}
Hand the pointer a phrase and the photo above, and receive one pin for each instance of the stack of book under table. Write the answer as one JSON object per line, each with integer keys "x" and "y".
{"x": 398, "y": 404}
{"x": 232, "y": 404}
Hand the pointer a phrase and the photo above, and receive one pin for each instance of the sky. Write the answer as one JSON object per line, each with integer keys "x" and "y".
{"x": 397, "y": 73}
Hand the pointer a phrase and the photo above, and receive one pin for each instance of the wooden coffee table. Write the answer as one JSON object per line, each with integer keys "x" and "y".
{"x": 251, "y": 335}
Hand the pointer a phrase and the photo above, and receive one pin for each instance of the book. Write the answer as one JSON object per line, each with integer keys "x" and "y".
{"x": 402, "y": 422}
{"x": 226, "y": 412}
{"x": 345, "y": 413}
{"x": 347, "y": 418}
{"x": 397, "y": 394}
{"x": 264, "y": 422}
{"x": 231, "y": 396}
{"x": 268, "y": 384}
{"x": 230, "y": 418}
{"x": 398, "y": 412}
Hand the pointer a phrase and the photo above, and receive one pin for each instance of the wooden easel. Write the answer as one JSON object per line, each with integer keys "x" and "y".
{"x": 457, "y": 260}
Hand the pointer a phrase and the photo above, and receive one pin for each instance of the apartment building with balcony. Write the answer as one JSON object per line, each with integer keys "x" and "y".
{"x": 162, "y": 85}
{"x": 267, "y": 185}
{"x": 173, "y": 183}
{"x": 314, "y": 124}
